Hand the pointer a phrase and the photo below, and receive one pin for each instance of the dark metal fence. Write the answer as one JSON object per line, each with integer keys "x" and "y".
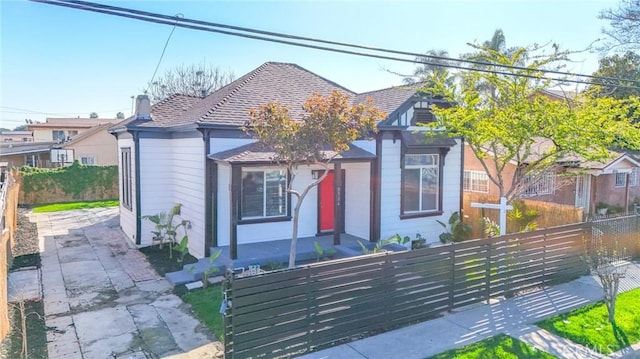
{"x": 290, "y": 312}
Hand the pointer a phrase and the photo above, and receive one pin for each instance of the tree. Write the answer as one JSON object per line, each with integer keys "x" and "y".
{"x": 505, "y": 126}
{"x": 120, "y": 116}
{"x": 609, "y": 262}
{"x": 432, "y": 74}
{"x": 93, "y": 115}
{"x": 625, "y": 25}
{"x": 195, "y": 80}
{"x": 625, "y": 67}
{"x": 329, "y": 125}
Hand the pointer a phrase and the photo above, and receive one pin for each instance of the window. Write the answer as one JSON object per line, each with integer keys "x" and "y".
{"x": 8, "y": 140}
{"x": 621, "y": 178}
{"x": 125, "y": 156}
{"x": 538, "y": 184}
{"x": 73, "y": 133}
{"x": 476, "y": 181}
{"x": 421, "y": 183}
{"x": 31, "y": 160}
{"x": 87, "y": 160}
{"x": 263, "y": 193}
{"x": 58, "y": 135}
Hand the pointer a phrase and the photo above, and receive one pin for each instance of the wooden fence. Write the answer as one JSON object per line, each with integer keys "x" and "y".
{"x": 550, "y": 214}
{"x": 290, "y": 312}
{"x": 8, "y": 225}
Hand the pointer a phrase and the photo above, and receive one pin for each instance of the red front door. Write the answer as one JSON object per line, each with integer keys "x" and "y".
{"x": 326, "y": 203}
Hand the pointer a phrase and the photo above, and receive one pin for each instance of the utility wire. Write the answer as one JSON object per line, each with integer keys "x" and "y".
{"x": 533, "y": 73}
{"x": 177, "y": 17}
{"x": 330, "y": 42}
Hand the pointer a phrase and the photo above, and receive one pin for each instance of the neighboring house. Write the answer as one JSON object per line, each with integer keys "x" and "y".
{"x": 574, "y": 182}
{"x": 95, "y": 146}
{"x": 26, "y": 153}
{"x": 16, "y": 136}
{"x": 63, "y": 129}
{"x": 192, "y": 151}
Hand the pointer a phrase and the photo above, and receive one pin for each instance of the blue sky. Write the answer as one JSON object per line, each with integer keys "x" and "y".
{"x": 63, "y": 62}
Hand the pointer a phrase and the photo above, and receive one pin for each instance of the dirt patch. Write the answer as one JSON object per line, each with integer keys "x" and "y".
{"x": 26, "y": 236}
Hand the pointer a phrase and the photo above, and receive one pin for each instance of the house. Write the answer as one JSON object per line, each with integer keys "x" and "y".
{"x": 95, "y": 146}
{"x": 16, "y": 136}
{"x": 572, "y": 181}
{"x": 34, "y": 154}
{"x": 192, "y": 151}
{"x": 63, "y": 129}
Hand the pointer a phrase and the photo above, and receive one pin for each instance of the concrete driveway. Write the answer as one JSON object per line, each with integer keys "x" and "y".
{"x": 103, "y": 300}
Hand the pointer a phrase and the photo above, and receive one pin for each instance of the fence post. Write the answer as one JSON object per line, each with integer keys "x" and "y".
{"x": 487, "y": 269}
{"x": 452, "y": 276}
{"x": 227, "y": 294}
{"x": 544, "y": 258}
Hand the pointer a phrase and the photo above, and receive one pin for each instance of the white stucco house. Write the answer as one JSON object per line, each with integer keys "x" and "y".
{"x": 192, "y": 151}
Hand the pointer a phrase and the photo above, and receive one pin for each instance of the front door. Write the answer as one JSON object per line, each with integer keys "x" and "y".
{"x": 326, "y": 199}
{"x": 583, "y": 191}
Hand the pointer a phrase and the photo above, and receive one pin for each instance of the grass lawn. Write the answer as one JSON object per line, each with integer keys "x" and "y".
{"x": 57, "y": 207}
{"x": 590, "y": 327}
{"x": 501, "y": 346}
{"x": 205, "y": 303}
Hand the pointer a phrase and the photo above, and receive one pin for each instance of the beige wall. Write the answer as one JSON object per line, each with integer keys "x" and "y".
{"x": 16, "y": 138}
{"x": 102, "y": 146}
{"x": 46, "y": 134}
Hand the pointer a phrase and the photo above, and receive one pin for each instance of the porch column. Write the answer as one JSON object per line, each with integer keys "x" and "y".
{"x": 236, "y": 175}
{"x": 337, "y": 202}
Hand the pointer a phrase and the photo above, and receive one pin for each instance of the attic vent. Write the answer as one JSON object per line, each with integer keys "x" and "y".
{"x": 422, "y": 115}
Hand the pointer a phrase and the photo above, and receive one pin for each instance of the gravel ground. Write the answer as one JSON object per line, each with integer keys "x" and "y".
{"x": 26, "y": 236}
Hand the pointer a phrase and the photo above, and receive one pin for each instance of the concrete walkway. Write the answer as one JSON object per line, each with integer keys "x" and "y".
{"x": 103, "y": 300}
{"x": 514, "y": 316}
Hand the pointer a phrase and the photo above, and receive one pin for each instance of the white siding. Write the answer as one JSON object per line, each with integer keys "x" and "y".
{"x": 188, "y": 187}
{"x": 391, "y": 192}
{"x": 127, "y": 216}
{"x": 156, "y": 181}
{"x": 357, "y": 199}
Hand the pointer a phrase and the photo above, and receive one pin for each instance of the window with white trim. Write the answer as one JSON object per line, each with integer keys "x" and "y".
{"x": 263, "y": 193}
{"x": 58, "y": 135}
{"x": 538, "y": 184}
{"x": 621, "y": 178}
{"x": 476, "y": 181}
{"x": 87, "y": 160}
{"x": 421, "y": 183}
{"x": 125, "y": 162}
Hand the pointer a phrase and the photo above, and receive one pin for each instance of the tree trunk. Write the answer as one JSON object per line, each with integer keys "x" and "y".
{"x": 294, "y": 234}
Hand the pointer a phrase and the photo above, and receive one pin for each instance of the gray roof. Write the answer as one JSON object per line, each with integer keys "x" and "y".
{"x": 285, "y": 83}
{"x": 256, "y": 153}
{"x": 389, "y": 99}
{"x": 9, "y": 148}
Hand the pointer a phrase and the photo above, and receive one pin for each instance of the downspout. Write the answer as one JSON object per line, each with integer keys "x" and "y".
{"x": 136, "y": 150}
{"x": 208, "y": 195}
{"x": 377, "y": 189}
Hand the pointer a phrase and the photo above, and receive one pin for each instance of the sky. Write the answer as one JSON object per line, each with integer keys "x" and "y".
{"x": 61, "y": 62}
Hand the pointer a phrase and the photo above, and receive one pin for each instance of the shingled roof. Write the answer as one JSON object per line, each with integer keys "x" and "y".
{"x": 256, "y": 153}
{"x": 286, "y": 83}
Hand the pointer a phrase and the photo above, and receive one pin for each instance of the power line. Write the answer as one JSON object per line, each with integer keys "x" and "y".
{"x": 66, "y": 114}
{"x": 158, "y": 18}
{"x": 330, "y": 42}
{"x": 163, "y": 50}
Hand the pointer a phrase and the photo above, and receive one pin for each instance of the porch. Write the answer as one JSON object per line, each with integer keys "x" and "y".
{"x": 270, "y": 253}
